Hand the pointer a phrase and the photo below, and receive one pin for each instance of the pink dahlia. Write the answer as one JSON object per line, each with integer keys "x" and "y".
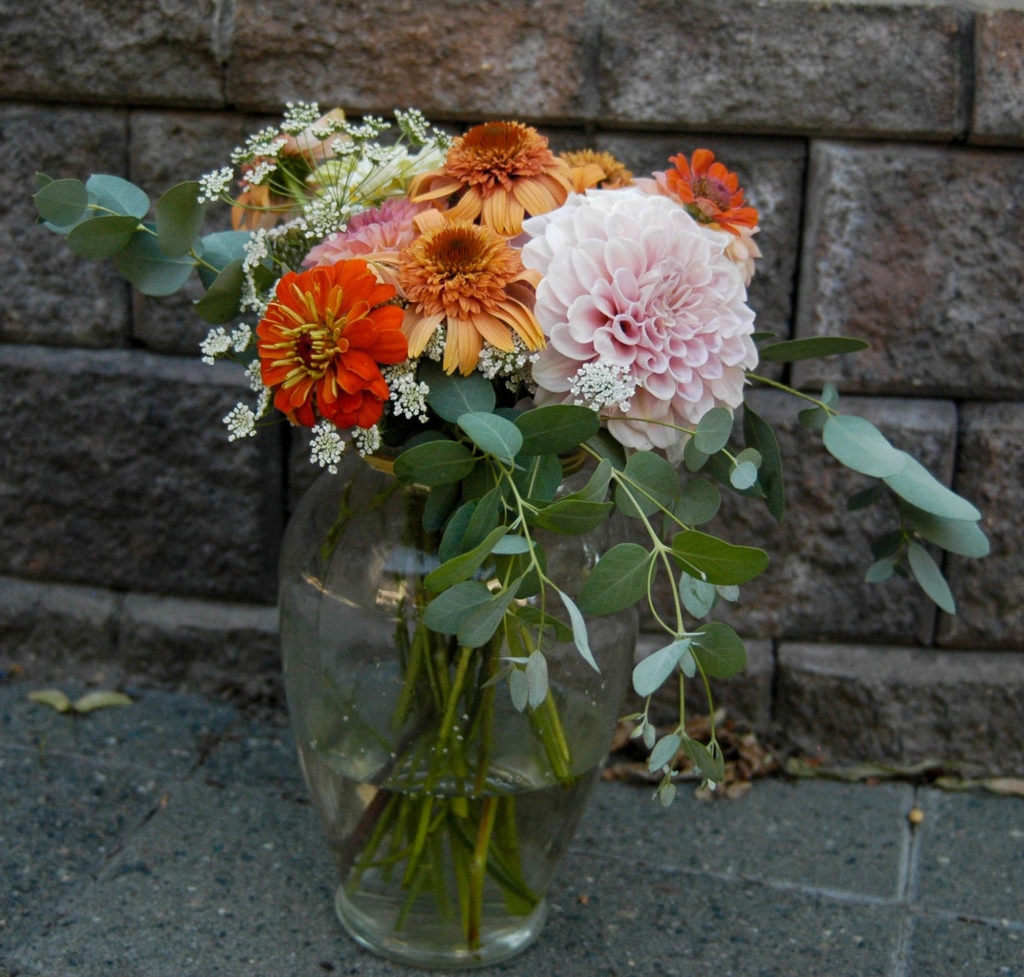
{"x": 635, "y": 293}
{"x": 383, "y": 230}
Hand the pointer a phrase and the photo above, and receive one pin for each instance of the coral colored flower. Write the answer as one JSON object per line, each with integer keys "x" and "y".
{"x": 466, "y": 276}
{"x": 592, "y": 169}
{"x": 709, "y": 191}
{"x": 633, "y": 283}
{"x": 322, "y": 339}
{"x": 500, "y": 172}
{"x": 381, "y": 233}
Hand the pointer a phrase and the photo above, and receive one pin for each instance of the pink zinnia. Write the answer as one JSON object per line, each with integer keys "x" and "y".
{"x": 633, "y": 284}
{"x": 386, "y": 229}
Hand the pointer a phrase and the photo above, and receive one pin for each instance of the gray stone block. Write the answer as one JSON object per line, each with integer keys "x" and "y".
{"x": 779, "y": 66}
{"x": 998, "y": 115}
{"x": 450, "y": 62}
{"x": 153, "y": 51}
{"x": 56, "y": 630}
{"x": 918, "y": 250}
{"x": 221, "y": 650}
{"x": 960, "y": 831}
{"x": 814, "y": 587}
{"x": 119, "y": 474}
{"x": 52, "y": 297}
{"x": 211, "y": 864}
{"x": 62, "y": 820}
{"x": 990, "y": 611}
{"x": 850, "y": 703}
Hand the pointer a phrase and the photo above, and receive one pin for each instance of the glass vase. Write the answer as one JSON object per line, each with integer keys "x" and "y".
{"x": 446, "y": 808}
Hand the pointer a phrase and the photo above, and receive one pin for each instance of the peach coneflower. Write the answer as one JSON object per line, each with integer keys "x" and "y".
{"x": 321, "y": 342}
{"x": 593, "y": 168}
{"x": 500, "y": 171}
{"x": 709, "y": 191}
{"x": 466, "y": 276}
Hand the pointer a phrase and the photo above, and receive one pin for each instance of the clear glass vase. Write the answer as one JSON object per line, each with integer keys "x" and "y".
{"x": 446, "y": 808}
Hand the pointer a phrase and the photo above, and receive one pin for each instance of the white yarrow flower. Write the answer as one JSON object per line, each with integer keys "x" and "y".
{"x": 241, "y": 422}
{"x": 214, "y": 184}
{"x": 326, "y": 447}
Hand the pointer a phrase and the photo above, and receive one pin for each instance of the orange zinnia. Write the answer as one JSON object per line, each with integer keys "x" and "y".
{"x": 321, "y": 340}
{"x": 468, "y": 277}
{"x": 709, "y": 191}
{"x": 500, "y": 171}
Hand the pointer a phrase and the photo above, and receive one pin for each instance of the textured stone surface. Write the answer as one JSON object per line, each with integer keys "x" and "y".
{"x": 930, "y": 273}
{"x": 214, "y": 649}
{"x": 152, "y": 51}
{"x": 989, "y": 471}
{"x": 814, "y": 586}
{"x": 781, "y": 66}
{"x": 443, "y": 56}
{"x": 126, "y": 479}
{"x": 50, "y": 295}
{"x": 999, "y": 77}
{"x": 52, "y": 629}
{"x": 899, "y": 705}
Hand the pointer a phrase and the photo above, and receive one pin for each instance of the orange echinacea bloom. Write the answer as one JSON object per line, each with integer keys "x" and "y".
{"x": 593, "y": 168}
{"x": 468, "y": 277}
{"x": 709, "y": 191}
{"x": 321, "y": 342}
{"x": 500, "y": 172}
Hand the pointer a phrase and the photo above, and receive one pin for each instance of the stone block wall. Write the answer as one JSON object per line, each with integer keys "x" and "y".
{"x": 882, "y": 141}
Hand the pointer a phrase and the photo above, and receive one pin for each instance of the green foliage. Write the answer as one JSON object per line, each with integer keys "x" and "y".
{"x": 716, "y": 561}
{"x": 451, "y": 396}
{"x": 556, "y": 429}
{"x": 106, "y": 218}
{"x": 816, "y": 347}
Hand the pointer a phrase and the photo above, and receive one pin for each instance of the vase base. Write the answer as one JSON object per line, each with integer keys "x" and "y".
{"x": 421, "y": 942}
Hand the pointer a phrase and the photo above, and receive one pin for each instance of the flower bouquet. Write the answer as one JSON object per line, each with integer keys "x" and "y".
{"x": 521, "y": 372}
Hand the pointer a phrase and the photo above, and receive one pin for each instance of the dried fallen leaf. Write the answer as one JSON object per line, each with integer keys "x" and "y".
{"x": 100, "y": 700}
{"x": 53, "y": 698}
{"x": 90, "y": 702}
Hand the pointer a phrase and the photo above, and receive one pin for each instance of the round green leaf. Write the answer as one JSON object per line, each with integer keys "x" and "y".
{"x": 927, "y": 573}
{"x": 648, "y": 483}
{"x": 809, "y": 349}
{"x": 650, "y": 674}
{"x": 147, "y": 268}
{"x": 713, "y": 431}
{"x": 859, "y": 445}
{"x": 618, "y": 580}
{"x": 434, "y": 463}
{"x": 715, "y": 560}
{"x": 446, "y": 612}
{"x": 719, "y": 650}
{"x": 62, "y": 203}
{"x": 961, "y": 536}
{"x": 451, "y": 396}
{"x": 101, "y": 237}
{"x": 118, "y": 196}
{"x": 179, "y": 218}
{"x": 556, "y": 428}
{"x": 921, "y": 489}
{"x": 220, "y": 250}
{"x": 699, "y": 502}
{"x": 572, "y": 517}
{"x": 221, "y": 302}
{"x": 492, "y": 434}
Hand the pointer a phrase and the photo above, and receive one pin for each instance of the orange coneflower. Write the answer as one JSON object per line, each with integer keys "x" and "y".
{"x": 709, "y": 191}
{"x": 468, "y": 277}
{"x": 593, "y": 168}
{"x": 500, "y": 173}
{"x": 321, "y": 340}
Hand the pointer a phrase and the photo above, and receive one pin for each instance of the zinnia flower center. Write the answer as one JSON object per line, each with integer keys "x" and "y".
{"x": 497, "y": 153}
